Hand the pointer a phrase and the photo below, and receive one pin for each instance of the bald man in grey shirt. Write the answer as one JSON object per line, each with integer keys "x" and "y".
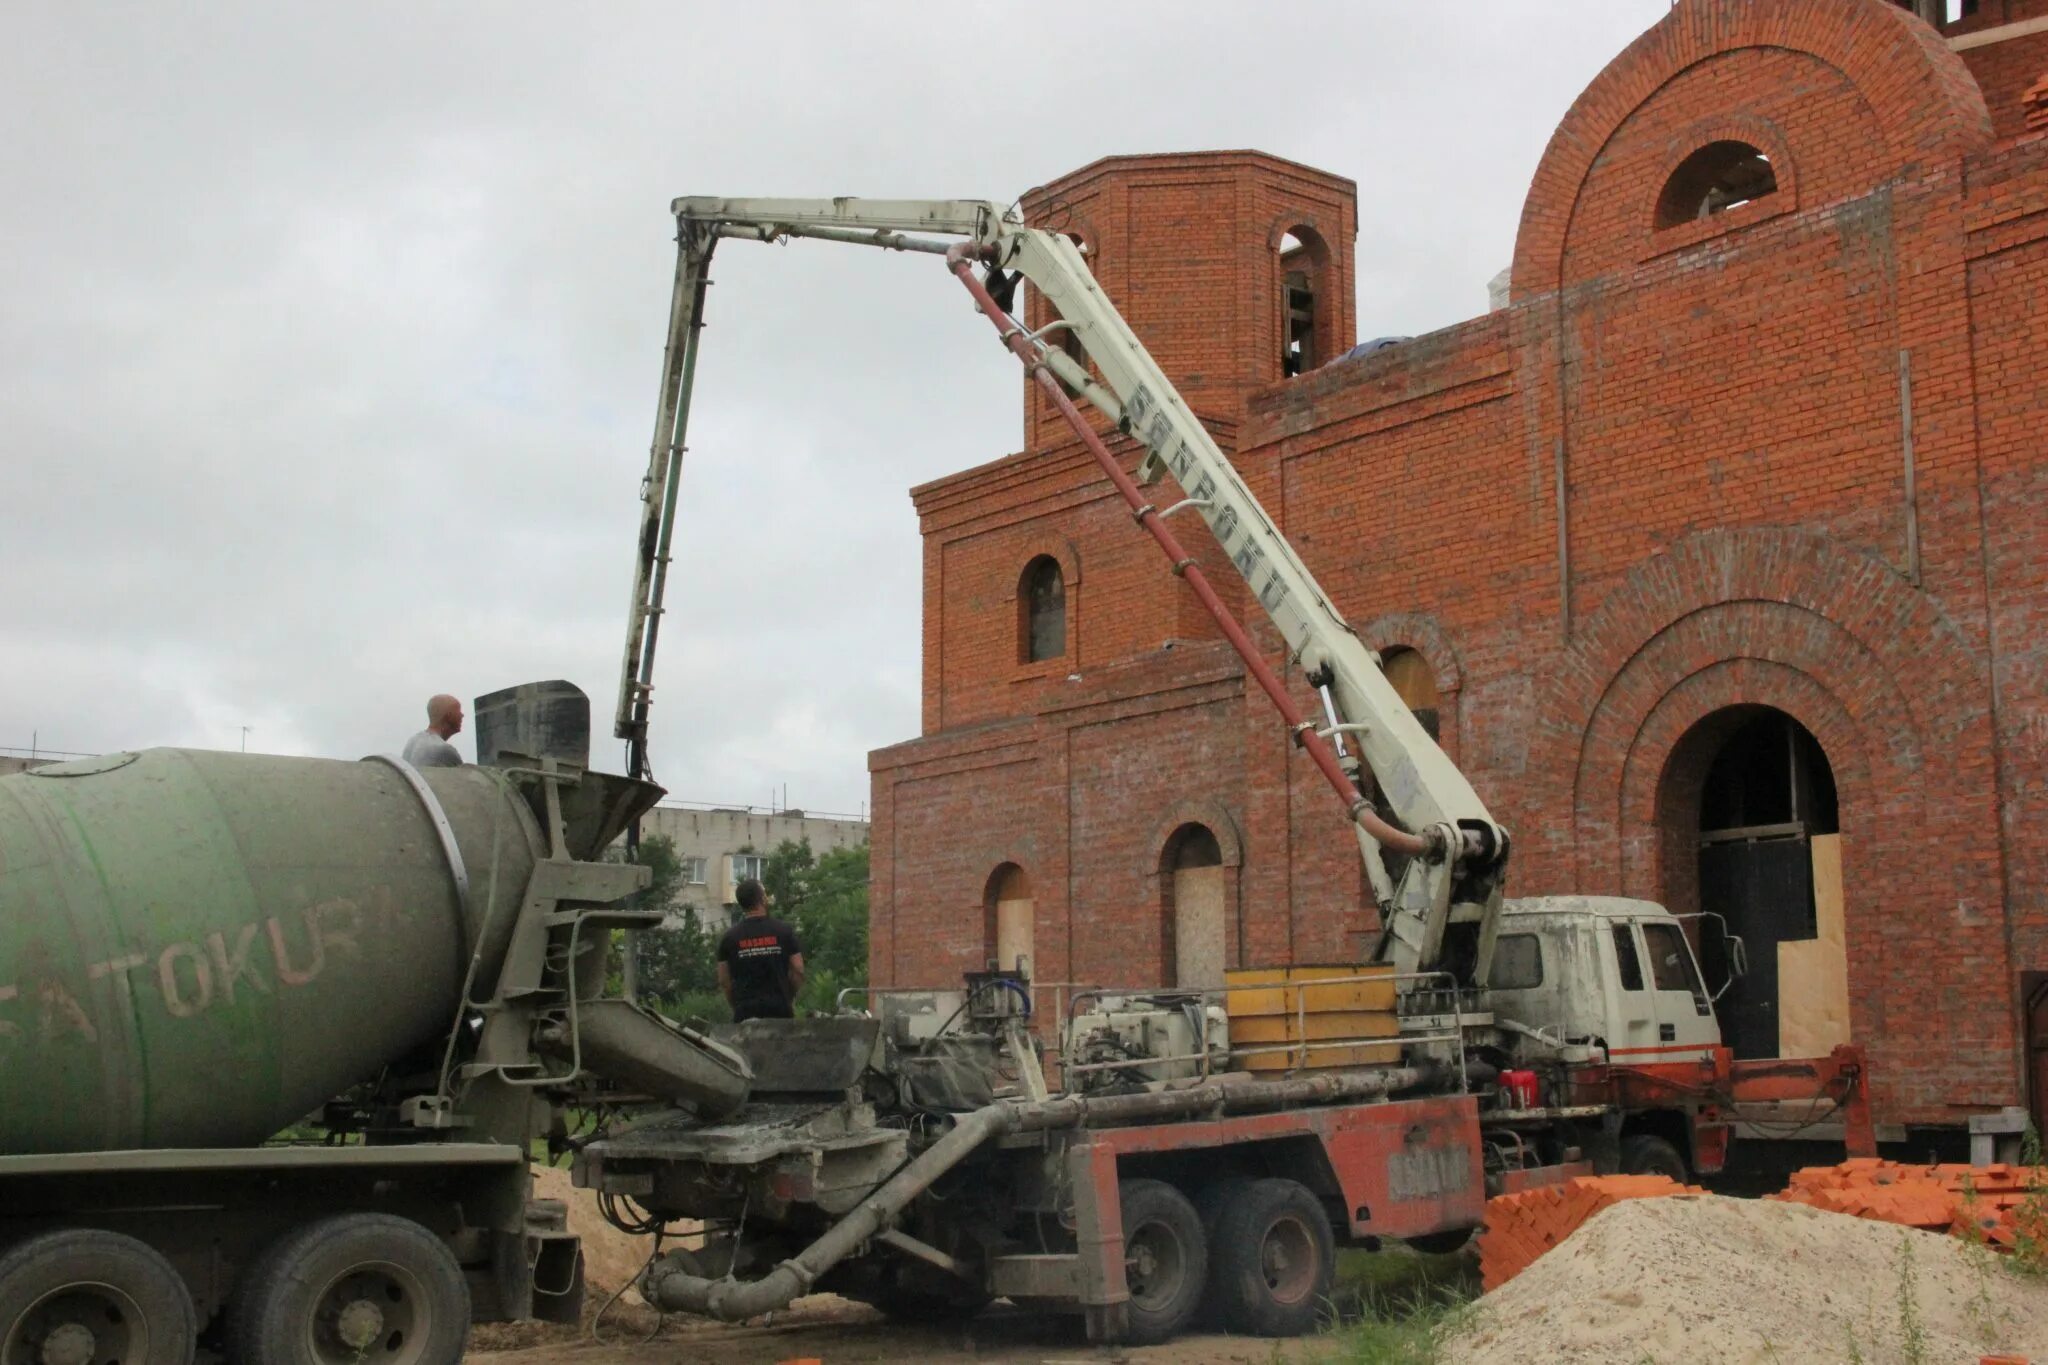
{"x": 430, "y": 747}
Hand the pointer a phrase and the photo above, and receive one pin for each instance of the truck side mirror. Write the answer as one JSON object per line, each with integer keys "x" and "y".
{"x": 1720, "y": 949}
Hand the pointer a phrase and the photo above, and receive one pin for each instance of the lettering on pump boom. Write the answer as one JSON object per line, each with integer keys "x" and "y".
{"x": 189, "y": 976}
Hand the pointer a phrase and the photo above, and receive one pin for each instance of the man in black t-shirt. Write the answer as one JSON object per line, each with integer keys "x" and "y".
{"x": 760, "y": 965}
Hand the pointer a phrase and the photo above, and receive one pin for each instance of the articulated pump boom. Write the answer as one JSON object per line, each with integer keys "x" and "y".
{"x": 1433, "y": 854}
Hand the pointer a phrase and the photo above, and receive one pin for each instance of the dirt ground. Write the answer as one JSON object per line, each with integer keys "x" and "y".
{"x": 836, "y": 1332}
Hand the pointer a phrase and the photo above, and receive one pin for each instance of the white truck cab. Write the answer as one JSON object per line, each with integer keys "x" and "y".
{"x": 1606, "y": 970}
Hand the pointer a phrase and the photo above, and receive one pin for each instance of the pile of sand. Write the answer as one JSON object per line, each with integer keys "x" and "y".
{"x": 1706, "y": 1279}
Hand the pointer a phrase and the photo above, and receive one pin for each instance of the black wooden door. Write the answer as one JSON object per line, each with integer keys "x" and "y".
{"x": 1764, "y": 889}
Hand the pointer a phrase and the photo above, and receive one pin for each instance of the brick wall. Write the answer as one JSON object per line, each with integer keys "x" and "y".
{"x": 1723, "y": 403}
{"x": 2003, "y": 57}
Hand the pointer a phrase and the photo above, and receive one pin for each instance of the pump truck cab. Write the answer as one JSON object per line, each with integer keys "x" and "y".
{"x": 278, "y": 1036}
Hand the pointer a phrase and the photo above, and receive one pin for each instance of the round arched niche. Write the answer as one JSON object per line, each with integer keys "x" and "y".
{"x": 1009, "y": 917}
{"x": 1200, "y": 852}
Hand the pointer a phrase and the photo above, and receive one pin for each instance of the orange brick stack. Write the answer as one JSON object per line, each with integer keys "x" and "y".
{"x": 1994, "y": 1204}
{"x": 2035, "y": 102}
{"x": 1521, "y": 1227}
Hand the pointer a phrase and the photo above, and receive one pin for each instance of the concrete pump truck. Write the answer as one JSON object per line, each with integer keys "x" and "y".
{"x": 1199, "y": 1144}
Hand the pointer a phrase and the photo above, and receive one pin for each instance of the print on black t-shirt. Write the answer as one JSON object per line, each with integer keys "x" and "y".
{"x": 757, "y": 950}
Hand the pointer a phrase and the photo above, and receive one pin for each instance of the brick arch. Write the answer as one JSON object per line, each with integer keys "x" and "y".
{"x": 1927, "y": 104}
{"x": 1211, "y": 815}
{"x": 1835, "y": 638}
{"x": 1658, "y": 794}
{"x": 1838, "y": 588}
{"x": 1422, "y": 633}
{"x": 1798, "y": 661}
{"x": 1761, "y": 133}
{"x": 1287, "y": 220}
{"x": 1060, "y": 549}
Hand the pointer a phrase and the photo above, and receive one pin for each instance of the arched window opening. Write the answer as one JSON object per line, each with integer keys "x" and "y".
{"x": 1770, "y": 773}
{"x": 1300, "y": 269}
{"x": 1409, "y": 672}
{"x": 1718, "y": 177}
{"x": 1042, "y": 611}
{"x": 1007, "y": 909}
{"x": 1194, "y": 888}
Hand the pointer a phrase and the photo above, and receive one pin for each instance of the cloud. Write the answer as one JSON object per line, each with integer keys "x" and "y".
{"x": 331, "y": 337}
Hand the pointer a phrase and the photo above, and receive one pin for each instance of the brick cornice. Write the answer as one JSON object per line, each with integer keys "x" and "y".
{"x": 1176, "y": 163}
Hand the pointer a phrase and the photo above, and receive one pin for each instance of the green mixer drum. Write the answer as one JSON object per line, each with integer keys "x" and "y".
{"x": 198, "y": 948}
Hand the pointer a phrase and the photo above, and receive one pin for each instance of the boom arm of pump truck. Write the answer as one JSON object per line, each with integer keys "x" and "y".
{"x": 1440, "y": 894}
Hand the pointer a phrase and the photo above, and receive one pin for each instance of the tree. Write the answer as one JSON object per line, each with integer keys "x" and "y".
{"x": 678, "y": 962}
{"x": 826, "y": 899}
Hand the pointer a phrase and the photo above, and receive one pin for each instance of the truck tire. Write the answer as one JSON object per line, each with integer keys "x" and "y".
{"x": 1647, "y": 1155}
{"x": 352, "y": 1289}
{"x": 1210, "y": 1201}
{"x": 88, "y": 1294}
{"x": 1272, "y": 1259}
{"x": 1166, "y": 1260}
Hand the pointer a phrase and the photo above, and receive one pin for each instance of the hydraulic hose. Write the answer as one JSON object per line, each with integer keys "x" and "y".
{"x": 670, "y": 1288}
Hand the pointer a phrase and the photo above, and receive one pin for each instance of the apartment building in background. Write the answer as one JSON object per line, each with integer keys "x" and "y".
{"x": 721, "y": 846}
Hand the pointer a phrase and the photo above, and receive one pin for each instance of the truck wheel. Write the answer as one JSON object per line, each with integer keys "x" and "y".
{"x": 1646, "y": 1155}
{"x": 1166, "y": 1259}
{"x": 87, "y": 1295}
{"x": 352, "y": 1289}
{"x": 1210, "y": 1201}
{"x": 1272, "y": 1259}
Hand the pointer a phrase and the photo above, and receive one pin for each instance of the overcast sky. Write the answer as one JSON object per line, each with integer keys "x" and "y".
{"x": 330, "y": 335}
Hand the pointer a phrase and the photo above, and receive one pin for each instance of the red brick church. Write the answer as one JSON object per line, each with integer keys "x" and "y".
{"x": 1717, "y": 554}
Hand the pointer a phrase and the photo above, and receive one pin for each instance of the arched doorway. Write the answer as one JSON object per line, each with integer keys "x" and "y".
{"x": 1750, "y": 796}
{"x": 1007, "y": 905}
{"x": 1195, "y": 910}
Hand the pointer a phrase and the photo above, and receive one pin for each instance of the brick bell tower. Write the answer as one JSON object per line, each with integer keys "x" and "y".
{"x": 1234, "y": 268}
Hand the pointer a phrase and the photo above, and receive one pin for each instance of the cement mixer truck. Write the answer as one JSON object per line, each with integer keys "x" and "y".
{"x": 199, "y": 951}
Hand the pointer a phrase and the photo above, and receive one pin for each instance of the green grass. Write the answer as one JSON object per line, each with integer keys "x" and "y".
{"x": 1399, "y": 1307}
